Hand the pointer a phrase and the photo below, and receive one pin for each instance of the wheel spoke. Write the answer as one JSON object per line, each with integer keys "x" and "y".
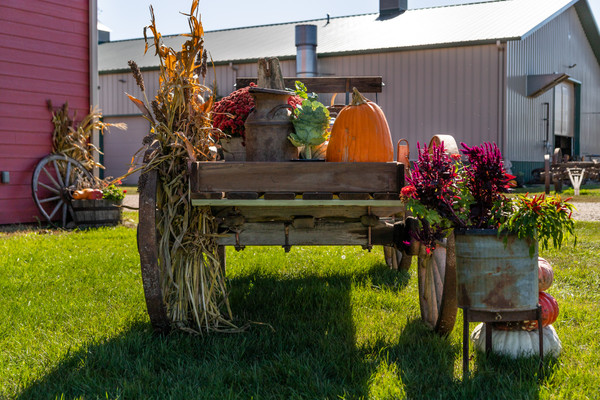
{"x": 58, "y": 176}
{"x": 68, "y": 174}
{"x": 49, "y": 199}
{"x": 50, "y": 188}
{"x": 55, "y": 210}
{"x": 64, "y": 215}
{"x": 51, "y": 178}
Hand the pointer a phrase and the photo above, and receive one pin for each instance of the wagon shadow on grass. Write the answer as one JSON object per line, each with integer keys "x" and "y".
{"x": 304, "y": 347}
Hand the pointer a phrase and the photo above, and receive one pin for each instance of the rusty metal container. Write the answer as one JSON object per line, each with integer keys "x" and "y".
{"x": 494, "y": 277}
{"x": 268, "y": 127}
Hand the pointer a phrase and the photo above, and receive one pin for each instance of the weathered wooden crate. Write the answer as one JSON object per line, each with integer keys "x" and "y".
{"x": 301, "y": 203}
{"x": 92, "y": 213}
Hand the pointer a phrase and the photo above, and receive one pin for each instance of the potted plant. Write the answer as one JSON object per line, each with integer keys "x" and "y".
{"x": 496, "y": 235}
{"x": 229, "y": 116}
{"x": 311, "y": 121}
{"x": 93, "y": 206}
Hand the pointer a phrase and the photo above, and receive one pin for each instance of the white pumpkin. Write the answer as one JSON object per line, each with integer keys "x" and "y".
{"x": 518, "y": 343}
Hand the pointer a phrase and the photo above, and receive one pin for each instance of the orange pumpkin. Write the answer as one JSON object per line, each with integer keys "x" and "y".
{"x": 549, "y": 312}
{"x": 360, "y": 133}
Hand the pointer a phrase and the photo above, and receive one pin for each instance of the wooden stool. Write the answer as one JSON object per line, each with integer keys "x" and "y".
{"x": 492, "y": 317}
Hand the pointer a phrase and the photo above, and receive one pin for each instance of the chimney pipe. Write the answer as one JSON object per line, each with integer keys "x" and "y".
{"x": 306, "y": 50}
{"x": 389, "y": 9}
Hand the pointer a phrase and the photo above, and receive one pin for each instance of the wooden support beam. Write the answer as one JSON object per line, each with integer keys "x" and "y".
{"x": 327, "y": 84}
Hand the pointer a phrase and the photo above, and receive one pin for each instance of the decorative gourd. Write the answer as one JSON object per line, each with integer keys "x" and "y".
{"x": 518, "y": 343}
{"x": 549, "y": 312}
{"x": 545, "y": 274}
{"x": 360, "y": 133}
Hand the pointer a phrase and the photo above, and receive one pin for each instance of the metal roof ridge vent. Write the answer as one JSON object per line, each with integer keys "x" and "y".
{"x": 306, "y": 50}
{"x": 389, "y": 9}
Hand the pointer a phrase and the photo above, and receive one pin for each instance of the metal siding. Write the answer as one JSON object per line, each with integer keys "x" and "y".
{"x": 550, "y": 50}
{"x": 429, "y": 92}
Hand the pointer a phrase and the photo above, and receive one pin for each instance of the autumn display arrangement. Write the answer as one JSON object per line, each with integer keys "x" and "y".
{"x": 496, "y": 235}
{"x": 94, "y": 201}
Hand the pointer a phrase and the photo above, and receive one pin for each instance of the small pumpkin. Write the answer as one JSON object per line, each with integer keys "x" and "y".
{"x": 545, "y": 274}
{"x": 360, "y": 133}
{"x": 549, "y": 312}
{"x": 518, "y": 343}
{"x": 79, "y": 195}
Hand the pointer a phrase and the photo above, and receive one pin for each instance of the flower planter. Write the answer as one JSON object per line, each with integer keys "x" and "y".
{"x": 492, "y": 276}
{"x": 93, "y": 213}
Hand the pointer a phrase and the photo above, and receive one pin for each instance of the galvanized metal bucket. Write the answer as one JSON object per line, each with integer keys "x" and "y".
{"x": 492, "y": 276}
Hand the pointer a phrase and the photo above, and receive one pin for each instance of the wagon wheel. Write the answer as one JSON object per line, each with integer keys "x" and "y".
{"x": 396, "y": 259}
{"x": 54, "y": 179}
{"x": 437, "y": 286}
{"x": 147, "y": 240}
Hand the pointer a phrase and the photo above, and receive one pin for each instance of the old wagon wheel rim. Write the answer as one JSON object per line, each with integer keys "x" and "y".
{"x": 437, "y": 286}
{"x": 147, "y": 239}
{"x": 53, "y": 180}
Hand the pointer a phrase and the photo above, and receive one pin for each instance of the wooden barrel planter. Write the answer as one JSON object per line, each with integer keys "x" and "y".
{"x": 94, "y": 213}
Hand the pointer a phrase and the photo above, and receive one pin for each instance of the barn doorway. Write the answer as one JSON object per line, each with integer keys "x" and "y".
{"x": 119, "y": 146}
{"x": 566, "y": 118}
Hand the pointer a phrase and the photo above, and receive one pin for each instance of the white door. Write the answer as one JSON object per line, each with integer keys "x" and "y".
{"x": 120, "y": 146}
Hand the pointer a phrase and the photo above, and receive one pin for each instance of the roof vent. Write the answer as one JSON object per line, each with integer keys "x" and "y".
{"x": 306, "y": 50}
{"x": 389, "y": 9}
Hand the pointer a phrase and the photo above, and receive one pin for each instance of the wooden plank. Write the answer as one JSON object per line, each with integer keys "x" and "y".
{"x": 279, "y": 196}
{"x": 327, "y": 84}
{"x": 297, "y": 203}
{"x": 317, "y": 196}
{"x": 354, "y": 196}
{"x": 324, "y": 233}
{"x": 386, "y": 196}
{"x": 341, "y": 213}
{"x": 207, "y": 195}
{"x": 242, "y": 195}
{"x": 369, "y": 177}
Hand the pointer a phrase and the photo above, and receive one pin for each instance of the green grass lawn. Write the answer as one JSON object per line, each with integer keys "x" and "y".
{"x": 323, "y": 323}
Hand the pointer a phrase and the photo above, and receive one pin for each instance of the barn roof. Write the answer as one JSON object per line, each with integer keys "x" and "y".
{"x": 449, "y": 26}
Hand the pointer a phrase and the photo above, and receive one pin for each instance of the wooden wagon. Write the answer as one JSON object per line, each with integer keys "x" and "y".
{"x": 297, "y": 204}
{"x": 300, "y": 203}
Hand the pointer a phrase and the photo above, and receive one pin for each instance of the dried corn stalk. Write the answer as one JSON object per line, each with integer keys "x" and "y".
{"x": 192, "y": 280}
{"x": 74, "y": 139}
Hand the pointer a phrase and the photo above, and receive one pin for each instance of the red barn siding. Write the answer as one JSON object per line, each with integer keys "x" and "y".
{"x": 44, "y": 46}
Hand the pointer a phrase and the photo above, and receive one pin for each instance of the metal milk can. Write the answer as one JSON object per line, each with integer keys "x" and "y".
{"x": 268, "y": 127}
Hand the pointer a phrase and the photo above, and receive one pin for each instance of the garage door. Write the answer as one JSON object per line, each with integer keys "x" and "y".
{"x": 119, "y": 146}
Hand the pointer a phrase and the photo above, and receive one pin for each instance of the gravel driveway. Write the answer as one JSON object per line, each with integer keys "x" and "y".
{"x": 587, "y": 211}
